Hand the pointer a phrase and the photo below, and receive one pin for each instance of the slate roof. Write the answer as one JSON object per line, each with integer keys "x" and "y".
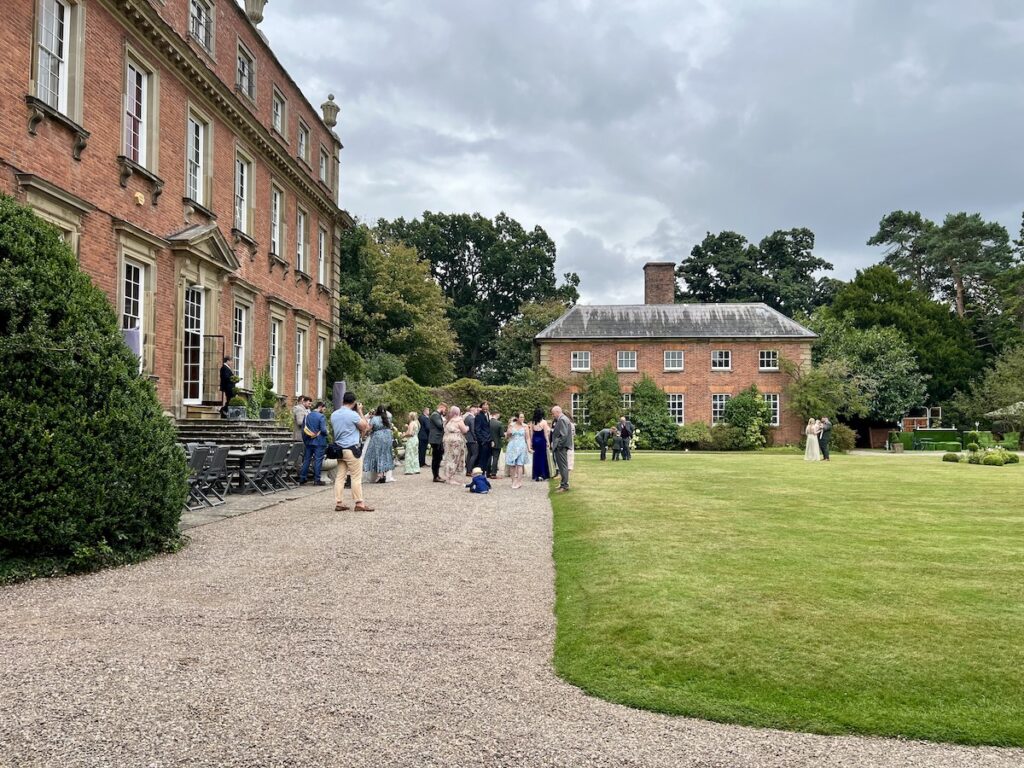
{"x": 674, "y": 321}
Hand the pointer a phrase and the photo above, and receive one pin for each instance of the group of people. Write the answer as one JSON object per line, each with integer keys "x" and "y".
{"x": 462, "y": 445}
{"x": 619, "y": 438}
{"x": 461, "y": 442}
{"x": 819, "y": 433}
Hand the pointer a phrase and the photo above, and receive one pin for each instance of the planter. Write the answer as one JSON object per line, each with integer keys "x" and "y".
{"x": 267, "y": 414}
{"x": 236, "y": 412}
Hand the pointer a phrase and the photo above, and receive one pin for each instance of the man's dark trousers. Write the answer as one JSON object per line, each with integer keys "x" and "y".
{"x": 603, "y": 445}
{"x": 823, "y": 440}
{"x": 483, "y": 458}
{"x": 423, "y": 451}
{"x": 316, "y": 453}
{"x": 437, "y": 453}
{"x": 472, "y": 451}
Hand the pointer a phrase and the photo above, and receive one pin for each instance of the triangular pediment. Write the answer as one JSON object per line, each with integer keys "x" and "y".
{"x": 205, "y": 242}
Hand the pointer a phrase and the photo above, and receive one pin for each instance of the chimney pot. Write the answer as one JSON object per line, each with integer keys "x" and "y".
{"x": 659, "y": 282}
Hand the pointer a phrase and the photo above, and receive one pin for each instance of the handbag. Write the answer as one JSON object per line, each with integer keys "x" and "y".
{"x": 333, "y": 451}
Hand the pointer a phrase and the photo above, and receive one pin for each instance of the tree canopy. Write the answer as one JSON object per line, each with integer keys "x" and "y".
{"x": 780, "y": 271}
{"x": 513, "y": 349}
{"x": 487, "y": 270}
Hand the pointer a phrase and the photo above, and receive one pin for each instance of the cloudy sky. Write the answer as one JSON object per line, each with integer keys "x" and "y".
{"x": 628, "y": 129}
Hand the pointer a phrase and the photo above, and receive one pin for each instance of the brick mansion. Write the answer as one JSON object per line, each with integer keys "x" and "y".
{"x": 193, "y": 179}
{"x": 699, "y": 354}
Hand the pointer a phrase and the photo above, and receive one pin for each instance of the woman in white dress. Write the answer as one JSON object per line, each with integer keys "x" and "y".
{"x": 813, "y": 450}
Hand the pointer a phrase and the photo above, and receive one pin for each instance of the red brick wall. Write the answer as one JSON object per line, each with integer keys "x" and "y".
{"x": 697, "y": 381}
{"x": 659, "y": 283}
{"x": 95, "y": 177}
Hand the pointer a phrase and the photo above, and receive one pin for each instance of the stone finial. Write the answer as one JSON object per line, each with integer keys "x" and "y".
{"x": 254, "y": 10}
{"x": 330, "y": 110}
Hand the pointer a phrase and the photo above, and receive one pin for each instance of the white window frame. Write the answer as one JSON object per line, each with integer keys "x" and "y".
{"x": 300, "y": 359}
{"x": 133, "y": 307}
{"x": 137, "y": 85}
{"x": 301, "y": 240}
{"x": 196, "y": 140}
{"x": 53, "y": 46}
{"x": 718, "y": 402}
{"x": 276, "y": 219}
{"x": 672, "y": 366}
{"x": 720, "y": 356}
{"x": 676, "y": 407}
{"x": 626, "y": 402}
{"x": 580, "y": 412}
{"x": 622, "y": 360}
{"x": 321, "y": 354}
{"x": 302, "y": 148}
{"x": 274, "y": 361}
{"x": 201, "y": 18}
{"x": 279, "y": 112}
{"x": 239, "y": 332}
{"x": 774, "y": 402}
{"x": 243, "y": 193}
{"x": 771, "y": 356}
{"x": 325, "y": 166}
{"x": 321, "y": 267}
{"x": 579, "y": 360}
{"x": 245, "y": 72}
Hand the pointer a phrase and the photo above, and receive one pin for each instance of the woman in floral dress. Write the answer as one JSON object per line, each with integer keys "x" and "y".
{"x": 516, "y": 450}
{"x": 379, "y": 459}
{"x": 453, "y": 465}
{"x": 412, "y": 445}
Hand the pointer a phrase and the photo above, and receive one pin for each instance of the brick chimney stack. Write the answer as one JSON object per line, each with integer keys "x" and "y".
{"x": 659, "y": 282}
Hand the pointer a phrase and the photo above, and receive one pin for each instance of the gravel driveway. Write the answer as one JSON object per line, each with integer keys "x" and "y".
{"x": 417, "y": 635}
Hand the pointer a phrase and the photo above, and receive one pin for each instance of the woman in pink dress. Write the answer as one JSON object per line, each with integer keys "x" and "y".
{"x": 453, "y": 465}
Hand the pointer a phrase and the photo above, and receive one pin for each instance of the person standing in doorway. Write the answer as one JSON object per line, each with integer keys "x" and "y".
{"x": 424, "y": 436}
{"x": 314, "y": 434}
{"x": 436, "y": 440}
{"x": 561, "y": 444}
{"x": 227, "y": 384}
{"x": 349, "y": 426}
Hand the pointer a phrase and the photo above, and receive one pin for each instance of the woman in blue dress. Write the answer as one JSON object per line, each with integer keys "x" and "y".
{"x": 379, "y": 460}
{"x": 516, "y": 449}
{"x": 540, "y": 434}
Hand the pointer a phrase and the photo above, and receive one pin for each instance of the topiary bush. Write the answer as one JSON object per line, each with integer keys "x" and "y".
{"x": 1011, "y": 458}
{"x": 973, "y": 447}
{"x": 974, "y": 458}
{"x": 953, "y": 458}
{"x": 993, "y": 460}
{"x": 91, "y": 473}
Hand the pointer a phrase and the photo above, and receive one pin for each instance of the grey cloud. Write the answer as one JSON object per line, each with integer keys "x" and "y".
{"x": 629, "y": 133}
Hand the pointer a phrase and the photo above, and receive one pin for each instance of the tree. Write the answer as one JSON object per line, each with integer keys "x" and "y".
{"x": 91, "y": 473}
{"x": 828, "y": 389}
{"x": 779, "y": 272}
{"x": 885, "y": 369}
{"x": 513, "y": 350}
{"x": 942, "y": 344}
{"x": 390, "y": 305}
{"x": 343, "y": 364}
{"x": 650, "y": 416}
{"x": 749, "y": 413}
{"x": 604, "y": 402}
{"x": 487, "y": 269}
{"x": 903, "y": 235}
{"x": 1001, "y": 386}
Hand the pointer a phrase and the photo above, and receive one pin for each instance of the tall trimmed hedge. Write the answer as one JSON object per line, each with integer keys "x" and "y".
{"x": 90, "y": 473}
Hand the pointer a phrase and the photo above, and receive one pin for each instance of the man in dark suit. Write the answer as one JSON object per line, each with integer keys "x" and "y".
{"x": 227, "y": 384}
{"x": 484, "y": 439}
{"x": 424, "y": 436}
{"x": 315, "y": 444}
{"x": 626, "y": 433}
{"x": 561, "y": 444}
{"x": 436, "y": 440}
{"x": 472, "y": 446}
{"x": 824, "y": 436}
{"x": 498, "y": 437}
{"x": 602, "y": 439}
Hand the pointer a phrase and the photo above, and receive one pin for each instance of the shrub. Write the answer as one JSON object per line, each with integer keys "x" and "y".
{"x": 237, "y": 401}
{"x": 844, "y": 439}
{"x": 749, "y": 413}
{"x": 1011, "y": 441}
{"x": 603, "y": 400}
{"x": 953, "y": 458}
{"x": 384, "y": 366}
{"x": 1011, "y": 458}
{"x": 973, "y": 447}
{"x": 993, "y": 460}
{"x": 655, "y": 428}
{"x": 973, "y": 437}
{"x": 726, "y": 437}
{"x": 90, "y": 473}
{"x": 343, "y": 364}
{"x": 695, "y": 435}
{"x": 974, "y": 458}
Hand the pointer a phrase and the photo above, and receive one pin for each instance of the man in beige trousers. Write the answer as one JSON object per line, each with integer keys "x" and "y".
{"x": 349, "y": 425}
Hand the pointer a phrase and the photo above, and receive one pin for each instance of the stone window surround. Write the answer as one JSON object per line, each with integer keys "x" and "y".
{"x": 194, "y": 112}
{"x": 278, "y": 96}
{"x": 142, "y": 248}
{"x": 277, "y": 313}
{"x": 212, "y": 11}
{"x": 52, "y": 204}
{"x": 323, "y": 350}
{"x": 242, "y": 153}
{"x": 74, "y": 60}
{"x": 301, "y": 365}
{"x": 244, "y": 297}
{"x": 244, "y": 51}
{"x": 152, "y": 117}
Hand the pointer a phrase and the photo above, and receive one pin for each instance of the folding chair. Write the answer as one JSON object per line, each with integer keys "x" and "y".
{"x": 280, "y": 466}
{"x": 257, "y": 477}
{"x": 216, "y": 475}
{"x": 196, "y": 465}
{"x": 294, "y": 463}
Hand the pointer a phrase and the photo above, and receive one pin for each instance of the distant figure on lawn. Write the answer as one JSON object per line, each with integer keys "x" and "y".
{"x": 824, "y": 436}
{"x": 626, "y": 430}
{"x": 602, "y": 439}
{"x": 616, "y": 445}
{"x": 813, "y": 450}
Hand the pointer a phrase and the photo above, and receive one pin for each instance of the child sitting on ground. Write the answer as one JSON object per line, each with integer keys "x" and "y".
{"x": 616, "y": 444}
{"x": 479, "y": 483}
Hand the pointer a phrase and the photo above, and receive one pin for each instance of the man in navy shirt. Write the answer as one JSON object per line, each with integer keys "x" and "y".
{"x": 316, "y": 443}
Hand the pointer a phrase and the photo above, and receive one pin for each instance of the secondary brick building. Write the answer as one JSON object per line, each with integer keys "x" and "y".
{"x": 699, "y": 354}
{"x": 186, "y": 169}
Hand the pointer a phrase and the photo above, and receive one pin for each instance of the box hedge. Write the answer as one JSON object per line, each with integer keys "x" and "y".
{"x": 90, "y": 473}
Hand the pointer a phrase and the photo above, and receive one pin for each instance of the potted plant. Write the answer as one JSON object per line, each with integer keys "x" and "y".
{"x": 268, "y": 405}
{"x": 237, "y": 407}
{"x": 263, "y": 400}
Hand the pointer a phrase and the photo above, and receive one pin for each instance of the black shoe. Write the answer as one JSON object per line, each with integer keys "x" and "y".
{"x": 380, "y": 482}
{"x": 302, "y": 482}
{"x": 319, "y": 482}
{"x": 438, "y": 480}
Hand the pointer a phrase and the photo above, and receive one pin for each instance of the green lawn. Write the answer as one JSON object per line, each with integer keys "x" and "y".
{"x": 880, "y": 595}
